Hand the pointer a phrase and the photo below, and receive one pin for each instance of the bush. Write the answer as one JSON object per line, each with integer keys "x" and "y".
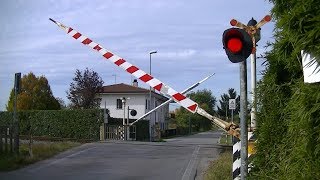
{"x": 79, "y": 124}
{"x": 288, "y": 125}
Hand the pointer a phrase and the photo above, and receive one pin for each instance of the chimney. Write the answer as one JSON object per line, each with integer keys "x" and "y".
{"x": 135, "y": 83}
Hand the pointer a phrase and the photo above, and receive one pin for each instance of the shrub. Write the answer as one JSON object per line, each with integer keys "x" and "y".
{"x": 80, "y": 124}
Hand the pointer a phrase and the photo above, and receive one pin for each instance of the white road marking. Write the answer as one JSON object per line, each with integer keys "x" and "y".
{"x": 186, "y": 174}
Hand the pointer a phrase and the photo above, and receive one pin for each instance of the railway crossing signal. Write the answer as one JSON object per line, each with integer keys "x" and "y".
{"x": 237, "y": 43}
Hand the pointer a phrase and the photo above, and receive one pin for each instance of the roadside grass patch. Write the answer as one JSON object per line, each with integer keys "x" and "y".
{"x": 220, "y": 168}
{"x": 41, "y": 151}
{"x": 226, "y": 139}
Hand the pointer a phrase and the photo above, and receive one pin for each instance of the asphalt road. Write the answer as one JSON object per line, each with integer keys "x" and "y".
{"x": 176, "y": 159}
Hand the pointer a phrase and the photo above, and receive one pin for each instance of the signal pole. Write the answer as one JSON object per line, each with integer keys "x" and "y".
{"x": 253, "y": 29}
{"x": 253, "y": 90}
{"x": 243, "y": 120}
{"x": 255, "y": 35}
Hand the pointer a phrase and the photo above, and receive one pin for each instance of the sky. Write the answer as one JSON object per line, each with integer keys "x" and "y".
{"x": 186, "y": 34}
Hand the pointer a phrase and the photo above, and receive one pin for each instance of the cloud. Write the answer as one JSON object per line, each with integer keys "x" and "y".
{"x": 181, "y": 54}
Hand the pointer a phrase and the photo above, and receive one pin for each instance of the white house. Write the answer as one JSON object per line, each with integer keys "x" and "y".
{"x": 136, "y": 98}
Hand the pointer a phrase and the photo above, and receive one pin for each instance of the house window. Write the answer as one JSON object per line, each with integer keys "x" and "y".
{"x": 119, "y": 104}
{"x": 146, "y": 103}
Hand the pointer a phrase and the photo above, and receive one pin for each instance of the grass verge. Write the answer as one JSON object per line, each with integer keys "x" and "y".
{"x": 220, "y": 168}
{"x": 226, "y": 139}
{"x": 40, "y": 151}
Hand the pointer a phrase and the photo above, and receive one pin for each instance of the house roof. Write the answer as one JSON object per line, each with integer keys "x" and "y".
{"x": 122, "y": 88}
{"x": 125, "y": 88}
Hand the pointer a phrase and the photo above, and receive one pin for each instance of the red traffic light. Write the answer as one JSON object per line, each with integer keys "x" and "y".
{"x": 237, "y": 44}
{"x": 234, "y": 45}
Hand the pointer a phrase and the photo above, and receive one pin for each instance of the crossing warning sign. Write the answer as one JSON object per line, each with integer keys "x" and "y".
{"x": 232, "y": 104}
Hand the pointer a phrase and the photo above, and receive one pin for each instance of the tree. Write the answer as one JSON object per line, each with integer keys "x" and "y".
{"x": 204, "y": 97}
{"x": 223, "y": 109}
{"x": 207, "y": 101}
{"x": 35, "y": 94}
{"x": 83, "y": 89}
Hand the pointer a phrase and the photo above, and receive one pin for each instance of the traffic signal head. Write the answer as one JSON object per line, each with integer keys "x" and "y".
{"x": 237, "y": 43}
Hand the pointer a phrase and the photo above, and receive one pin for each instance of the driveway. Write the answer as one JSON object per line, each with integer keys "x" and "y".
{"x": 178, "y": 158}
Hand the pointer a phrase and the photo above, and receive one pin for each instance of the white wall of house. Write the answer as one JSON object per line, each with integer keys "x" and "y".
{"x": 134, "y": 101}
{"x": 137, "y": 102}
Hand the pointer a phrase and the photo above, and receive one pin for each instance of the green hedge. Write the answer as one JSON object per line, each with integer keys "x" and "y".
{"x": 79, "y": 124}
{"x": 288, "y": 119}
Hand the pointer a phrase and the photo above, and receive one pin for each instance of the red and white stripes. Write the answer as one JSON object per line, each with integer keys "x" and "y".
{"x": 134, "y": 70}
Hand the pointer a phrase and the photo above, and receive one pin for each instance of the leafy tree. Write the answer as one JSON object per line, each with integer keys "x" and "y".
{"x": 35, "y": 94}
{"x": 207, "y": 101}
{"x": 224, "y": 103}
{"x": 204, "y": 97}
{"x": 83, "y": 89}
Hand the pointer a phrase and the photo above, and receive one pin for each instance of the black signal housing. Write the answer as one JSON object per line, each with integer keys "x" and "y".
{"x": 237, "y": 43}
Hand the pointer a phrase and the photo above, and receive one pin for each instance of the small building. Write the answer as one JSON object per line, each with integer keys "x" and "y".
{"x": 136, "y": 98}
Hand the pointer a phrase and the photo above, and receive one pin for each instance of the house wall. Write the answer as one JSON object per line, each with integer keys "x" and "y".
{"x": 137, "y": 102}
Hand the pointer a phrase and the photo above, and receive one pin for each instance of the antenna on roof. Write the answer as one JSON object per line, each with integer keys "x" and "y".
{"x": 115, "y": 78}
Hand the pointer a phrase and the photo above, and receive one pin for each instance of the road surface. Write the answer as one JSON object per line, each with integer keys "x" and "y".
{"x": 177, "y": 158}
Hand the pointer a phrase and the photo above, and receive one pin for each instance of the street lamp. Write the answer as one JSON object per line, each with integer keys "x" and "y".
{"x": 152, "y": 52}
{"x": 124, "y": 110}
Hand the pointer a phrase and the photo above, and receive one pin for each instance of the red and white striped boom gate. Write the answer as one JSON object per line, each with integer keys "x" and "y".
{"x": 179, "y": 98}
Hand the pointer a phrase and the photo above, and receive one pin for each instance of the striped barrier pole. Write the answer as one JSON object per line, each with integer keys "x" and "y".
{"x": 236, "y": 154}
{"x": 133, "y": 70}
{"x": 236, "y": 165}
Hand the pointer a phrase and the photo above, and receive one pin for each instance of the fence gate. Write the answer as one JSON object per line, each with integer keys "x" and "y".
{"x": 6, "y": 139}
{"x": 121, "y": 132}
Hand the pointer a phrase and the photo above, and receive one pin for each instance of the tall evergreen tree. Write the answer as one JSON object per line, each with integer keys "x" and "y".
{"x": 223, "y": 109}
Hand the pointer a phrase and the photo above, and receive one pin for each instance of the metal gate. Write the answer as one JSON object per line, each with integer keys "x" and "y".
{"x": 121, "y": 132}
{"x": 6, "y": 139}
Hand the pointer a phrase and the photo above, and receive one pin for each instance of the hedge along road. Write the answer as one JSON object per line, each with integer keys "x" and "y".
{"x": 179, "y": 158}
